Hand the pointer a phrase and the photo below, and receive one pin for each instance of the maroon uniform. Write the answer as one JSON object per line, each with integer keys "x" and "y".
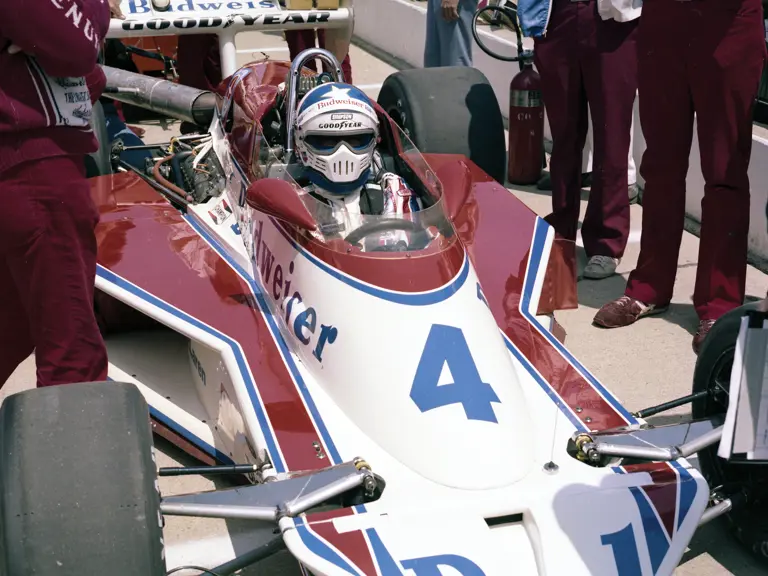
{"x": 300, "y": 40}
{"x": 199, "y": 62}
{"x": 47, "y": 220}
{"x": 585, "y": 60}
{"x": 702, "y": 57}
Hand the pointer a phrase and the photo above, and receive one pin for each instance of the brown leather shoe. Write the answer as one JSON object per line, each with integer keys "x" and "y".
{"x": 698, "y": 339}
{"x": 625, "y": 311}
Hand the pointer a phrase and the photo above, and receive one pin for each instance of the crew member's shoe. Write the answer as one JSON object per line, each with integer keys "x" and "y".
{"x": 625, "y": 311}
{"x": 600, "y": 267}
{"x": 698, "y": 339}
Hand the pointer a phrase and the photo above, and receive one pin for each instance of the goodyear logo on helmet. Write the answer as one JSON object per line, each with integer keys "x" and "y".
{"x": 340, "y": 125}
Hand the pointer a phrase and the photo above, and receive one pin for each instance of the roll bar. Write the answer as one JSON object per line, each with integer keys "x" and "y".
{"x": 293, "y": 85}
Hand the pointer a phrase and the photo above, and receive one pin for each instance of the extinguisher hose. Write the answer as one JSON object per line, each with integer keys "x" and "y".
{"x": 497, "y": 14}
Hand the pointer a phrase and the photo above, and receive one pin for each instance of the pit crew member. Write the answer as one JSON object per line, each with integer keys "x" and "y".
{"x": 336, "y": 134}
{"x": 48, "y": 82}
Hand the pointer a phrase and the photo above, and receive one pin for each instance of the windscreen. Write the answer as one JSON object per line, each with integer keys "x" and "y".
{"x": 401, "y": 177}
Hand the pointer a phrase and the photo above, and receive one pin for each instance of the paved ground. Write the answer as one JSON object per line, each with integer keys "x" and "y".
{"x": 644, "y": 364}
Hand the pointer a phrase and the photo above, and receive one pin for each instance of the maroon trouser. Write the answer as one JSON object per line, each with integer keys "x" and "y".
{"x": 300, "y": 40}
{"x": 47, "y": 273}
{"x": 704, "y": 57}
{"x": 585, "y": 60}
{"x": 199, "y": 61}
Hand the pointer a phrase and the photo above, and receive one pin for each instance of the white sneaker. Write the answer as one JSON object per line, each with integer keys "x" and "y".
{"x": 601, "y": 267}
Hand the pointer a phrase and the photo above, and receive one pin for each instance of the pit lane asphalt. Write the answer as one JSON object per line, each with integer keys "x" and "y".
{"x": 643, "y": 365}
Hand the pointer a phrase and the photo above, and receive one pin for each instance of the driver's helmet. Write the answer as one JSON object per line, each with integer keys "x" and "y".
{"x": 336, "y": 133}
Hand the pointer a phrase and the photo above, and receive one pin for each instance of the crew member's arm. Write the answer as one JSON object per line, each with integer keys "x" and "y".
{"x": 64, "y": 36}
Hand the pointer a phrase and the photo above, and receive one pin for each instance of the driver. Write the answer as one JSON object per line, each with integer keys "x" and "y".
{"x": 336, "y": 134}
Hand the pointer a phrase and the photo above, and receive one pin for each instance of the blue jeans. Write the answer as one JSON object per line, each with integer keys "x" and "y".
{"x": 449, "y": 43}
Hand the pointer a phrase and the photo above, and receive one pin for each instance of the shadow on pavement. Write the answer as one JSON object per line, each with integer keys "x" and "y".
{"x": 714, "y": 540}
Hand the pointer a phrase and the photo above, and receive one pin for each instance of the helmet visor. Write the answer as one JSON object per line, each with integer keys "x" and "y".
{"x": 324, "y": 144}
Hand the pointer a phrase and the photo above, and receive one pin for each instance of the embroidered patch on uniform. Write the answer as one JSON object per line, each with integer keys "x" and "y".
{"x": 66, "y": 101}
{"x": 220, "y": 212}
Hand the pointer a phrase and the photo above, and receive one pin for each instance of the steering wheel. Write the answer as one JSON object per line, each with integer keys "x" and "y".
{"x": 385, "y": 225}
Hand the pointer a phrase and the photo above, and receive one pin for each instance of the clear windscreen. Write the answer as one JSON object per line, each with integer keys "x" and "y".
{"x": 377, "y": 226}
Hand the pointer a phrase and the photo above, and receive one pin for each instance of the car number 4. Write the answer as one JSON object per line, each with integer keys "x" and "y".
{"x": 446, "y": 345}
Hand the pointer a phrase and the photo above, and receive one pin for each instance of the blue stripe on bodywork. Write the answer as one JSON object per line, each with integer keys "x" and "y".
{"x": 264, "y": 307}
{"x": 384, "y": 559}
{"x": 321, "y": 549}
{"x": 688, "y": 490}
{"x": 537, "y": 252}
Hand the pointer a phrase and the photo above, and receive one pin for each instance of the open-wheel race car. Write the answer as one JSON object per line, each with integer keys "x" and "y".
{"x": 411, "y": 411}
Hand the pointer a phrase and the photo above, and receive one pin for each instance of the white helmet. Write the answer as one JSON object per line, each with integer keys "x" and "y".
{"x": 336, "y": 132}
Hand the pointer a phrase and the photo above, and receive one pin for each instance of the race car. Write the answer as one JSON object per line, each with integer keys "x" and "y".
{"x": 413, "y": 412}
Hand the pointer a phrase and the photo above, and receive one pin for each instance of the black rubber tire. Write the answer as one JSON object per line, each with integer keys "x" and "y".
{"x": 78, "y": 483}
{"x": 748, "y": 523}
{"x": 449, "y": 110}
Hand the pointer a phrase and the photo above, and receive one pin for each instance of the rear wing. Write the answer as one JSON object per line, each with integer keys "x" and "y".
{"x": 228, "y": 18}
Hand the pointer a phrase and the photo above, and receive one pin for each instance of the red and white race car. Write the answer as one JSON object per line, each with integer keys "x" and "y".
{"x": 395, "y": 413}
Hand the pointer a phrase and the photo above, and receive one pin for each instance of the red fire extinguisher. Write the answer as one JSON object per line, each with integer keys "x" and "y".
{"x": 526, "y": 109}
{"x": 526, "y": 126}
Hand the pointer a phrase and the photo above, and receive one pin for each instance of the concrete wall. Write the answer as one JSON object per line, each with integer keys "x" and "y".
{"x": 398, "y": 28}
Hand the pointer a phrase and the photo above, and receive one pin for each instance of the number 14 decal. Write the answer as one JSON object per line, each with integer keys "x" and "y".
{"x": 446, "y": 345}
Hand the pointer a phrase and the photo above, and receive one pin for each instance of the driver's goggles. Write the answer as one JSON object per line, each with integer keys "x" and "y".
{"x": 330, "y": 143}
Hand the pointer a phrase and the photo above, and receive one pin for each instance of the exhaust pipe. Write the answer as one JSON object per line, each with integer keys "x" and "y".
{"x": 181, "y": 102}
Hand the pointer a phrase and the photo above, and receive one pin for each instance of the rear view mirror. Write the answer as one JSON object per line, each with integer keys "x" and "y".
{"x": 280, "y": 199}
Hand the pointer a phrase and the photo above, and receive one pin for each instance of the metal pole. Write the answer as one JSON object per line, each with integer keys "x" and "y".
{"x": 228, "y": 54}
{"x": 307, "y": 501}
{"x": 715, "y": 511}
{"x": 238, "y": 512}
{"x": 183, "y": 102}
{"x": 657, "y": 453}
{"x": 703, "y": 441}
{"x": 644, "y": 413}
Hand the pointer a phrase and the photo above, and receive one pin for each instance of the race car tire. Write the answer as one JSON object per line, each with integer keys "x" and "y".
{"x": 449, "y": 110}
{"x": 749, "y": 523}
{"x": 78, "y": 483}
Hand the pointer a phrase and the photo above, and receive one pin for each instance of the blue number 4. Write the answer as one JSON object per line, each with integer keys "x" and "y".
{"x": 447, "y": 345}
